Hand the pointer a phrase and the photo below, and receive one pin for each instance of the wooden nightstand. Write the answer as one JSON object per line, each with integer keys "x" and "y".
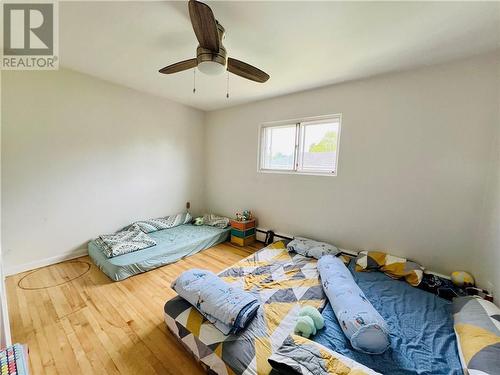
{"x": 243, "y": 232}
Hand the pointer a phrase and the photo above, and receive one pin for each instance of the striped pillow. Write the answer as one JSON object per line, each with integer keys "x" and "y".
{"x": 153, "y": 225}
{"x": 391, "y": 265}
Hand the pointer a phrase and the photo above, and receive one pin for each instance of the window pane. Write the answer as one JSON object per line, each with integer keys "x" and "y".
{"x": 319, "y": 147}
{"x": 278, "y": 147}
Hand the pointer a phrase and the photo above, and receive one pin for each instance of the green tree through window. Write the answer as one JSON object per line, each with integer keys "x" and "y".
{"x": 327, "y": 144}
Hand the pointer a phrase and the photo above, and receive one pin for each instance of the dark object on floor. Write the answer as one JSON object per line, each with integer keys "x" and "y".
{"x": 269, "y": 237}
{"x": 483, "y": 293}
{"x": 441, "y": 287}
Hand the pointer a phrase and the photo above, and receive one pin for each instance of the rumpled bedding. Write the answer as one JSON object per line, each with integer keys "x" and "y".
{"x": 391, "y": 265}
{"x": 125, "y": 241}
{"x": 311, "y": 248}
{"x": 298, "y": 355}
{"x": 420, "y": 324}
{"x": 134, "y": 237}
{"x": 215, "y": 221}
{"x": 282, "y": 281}
{"x": 153, "y": 225}
{"x": 228, "y": 308}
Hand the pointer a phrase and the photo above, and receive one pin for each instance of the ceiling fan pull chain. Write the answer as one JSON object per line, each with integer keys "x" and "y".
{"x": 194, "y": 80}
{"x": 227, "y": 86}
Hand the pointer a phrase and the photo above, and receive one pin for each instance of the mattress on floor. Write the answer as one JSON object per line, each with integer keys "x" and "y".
{"x": 282, "y": 281}
{"x": 172, "y": 245}
{"x": 420, "y": 325}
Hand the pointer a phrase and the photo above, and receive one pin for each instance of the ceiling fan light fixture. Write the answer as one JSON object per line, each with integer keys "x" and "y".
{"x": 211, "y": 68}
{"x": 211, "y": 56}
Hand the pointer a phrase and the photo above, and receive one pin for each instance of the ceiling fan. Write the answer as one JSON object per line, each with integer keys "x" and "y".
{"x": 211, "y": 56}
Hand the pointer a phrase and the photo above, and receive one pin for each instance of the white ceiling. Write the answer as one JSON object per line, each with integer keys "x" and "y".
{"x": 302, "y": 45}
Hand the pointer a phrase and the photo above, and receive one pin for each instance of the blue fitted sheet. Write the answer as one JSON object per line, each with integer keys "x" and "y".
{"x": 420, "y": 326}
{"x": 172, "y": 245}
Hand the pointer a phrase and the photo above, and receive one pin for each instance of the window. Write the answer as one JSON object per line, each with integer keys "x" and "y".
{"x": 308, "y": 146}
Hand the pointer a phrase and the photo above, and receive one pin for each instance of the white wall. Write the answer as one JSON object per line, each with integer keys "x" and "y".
{"x": 414, "y": 159}
{"x": 488, "y": 241}
{"x": 81, "y": 157}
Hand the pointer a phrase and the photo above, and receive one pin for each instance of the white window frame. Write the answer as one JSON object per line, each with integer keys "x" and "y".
{"x": 299, "y": 145}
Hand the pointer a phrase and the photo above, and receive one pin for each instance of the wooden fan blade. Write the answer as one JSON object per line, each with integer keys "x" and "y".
{"x": 179, "y": 67}
{"x": 247, "y": 71}
{"x": 204, "y": 25}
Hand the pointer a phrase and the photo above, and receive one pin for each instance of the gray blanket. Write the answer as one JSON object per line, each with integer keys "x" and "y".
{"x": 300, "y": 356}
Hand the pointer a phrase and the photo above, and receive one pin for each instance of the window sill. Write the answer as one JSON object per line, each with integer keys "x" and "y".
{"x": 301, "y": 173}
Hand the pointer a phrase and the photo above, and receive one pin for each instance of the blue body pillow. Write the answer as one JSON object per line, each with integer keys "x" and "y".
{"x": 359, "y": 320}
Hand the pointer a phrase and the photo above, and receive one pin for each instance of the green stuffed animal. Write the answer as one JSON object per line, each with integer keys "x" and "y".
{"x": 309, "y": 321}
{"x": 199, "y": 221}
{"x": 314, "y": 314}
{"x": 305, "y": 327}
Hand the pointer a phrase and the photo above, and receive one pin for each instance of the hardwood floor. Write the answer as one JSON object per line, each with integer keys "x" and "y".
{"x": 91, "y": 325}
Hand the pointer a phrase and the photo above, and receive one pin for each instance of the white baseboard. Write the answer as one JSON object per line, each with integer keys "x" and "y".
{"x": 12, "y": 270}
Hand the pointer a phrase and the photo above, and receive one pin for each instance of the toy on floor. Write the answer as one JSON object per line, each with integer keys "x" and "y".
{"x": 13, "y": 360}
{"x": 314, "y": 314}
{"x": 305, "y": 326}
{"x": 309, "y": 321}
{"x": 462, "y": 279}
{"x": 244, "y": 216}
{"x": 199, "y": 221}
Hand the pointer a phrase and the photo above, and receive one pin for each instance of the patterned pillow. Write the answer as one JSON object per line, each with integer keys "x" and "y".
{"x": 391, "y": 265}
{"x": 477, "y": 326}
{"x": 311, "y": 248}
{"x": 153, "y": 225}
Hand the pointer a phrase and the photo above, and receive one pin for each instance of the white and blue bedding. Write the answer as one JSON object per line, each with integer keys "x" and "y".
{"x": 420, "y": 326}
{"x": 311, "y": 248}
{"x": 171, "y": 245}
{"x": 227, "y": 307}
{"x": 361, "y": 323}
{"x": 124, "y": 242}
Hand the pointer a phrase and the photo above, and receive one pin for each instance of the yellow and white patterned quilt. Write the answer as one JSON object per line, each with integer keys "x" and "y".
{"x": 283, "y": 282}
